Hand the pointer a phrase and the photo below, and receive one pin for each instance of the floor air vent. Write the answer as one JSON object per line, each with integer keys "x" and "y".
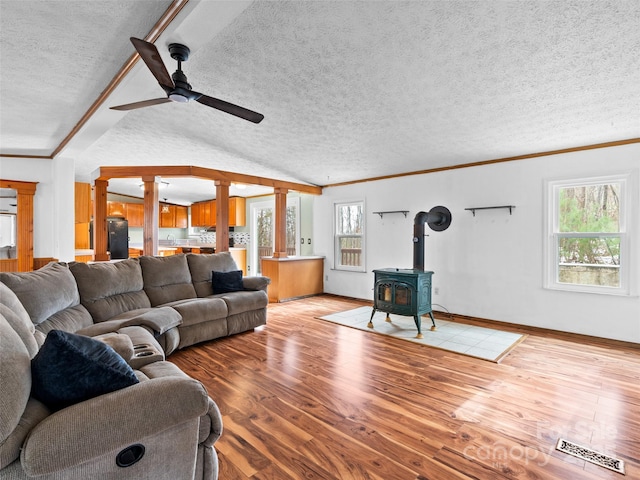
{"x": 592, "y": 456}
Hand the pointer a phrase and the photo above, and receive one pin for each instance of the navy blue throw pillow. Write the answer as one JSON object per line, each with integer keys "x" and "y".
{"x": 224, "y": 282}
{"x": 71, "y": 368}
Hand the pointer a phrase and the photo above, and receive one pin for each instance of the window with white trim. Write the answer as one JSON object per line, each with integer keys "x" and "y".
{"x": 349, "y": 236}
{"x": 588, "y": 244}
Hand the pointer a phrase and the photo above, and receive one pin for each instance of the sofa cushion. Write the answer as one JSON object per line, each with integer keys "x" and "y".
{"x": 245, "y": 301}
{"x": 167, "y": 279}
{"x": 201, "y": 266}
{"x": 18, "y": 318}
{"x": 15, "y": 378}
{"x": 224, "y": 282}
{"x": 45, "y": 291}
{"x": 109, "y": 289}
{"x": 71, "y": 368}
{"x": 200, "y": 310}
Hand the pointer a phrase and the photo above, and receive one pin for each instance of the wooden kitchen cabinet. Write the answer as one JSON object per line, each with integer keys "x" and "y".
{"x": 237, "y": 212}
{"x": 203, "y": 214}
{"x": 176, "y": 216}
{"x": 82, "y": 240}
{"x": 196, "y": 214}
{"x": 83, "y": 209}
{"x": 209, "y": 216}
{"x": 116, "y": 209}
{"x": 181, "y": 217}
{"x": 167, "y": 216}
{"x": 135, "y": 214}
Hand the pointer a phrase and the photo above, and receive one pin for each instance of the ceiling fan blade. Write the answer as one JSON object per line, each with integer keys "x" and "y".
{"x": 227, "y": 107}
{"x": 144, "y": 103}
{"x": 149, "y": 53}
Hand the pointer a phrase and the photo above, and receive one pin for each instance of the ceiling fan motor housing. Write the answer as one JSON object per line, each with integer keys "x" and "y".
{"x": 179, "y": 52}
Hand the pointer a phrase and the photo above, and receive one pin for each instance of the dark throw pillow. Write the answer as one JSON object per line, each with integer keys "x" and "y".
{"x": 71, "y": 368}
{"x": 224, "y": 282}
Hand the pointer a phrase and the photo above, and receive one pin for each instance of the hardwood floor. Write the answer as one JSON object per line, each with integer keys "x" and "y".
{"x": 307, "y": 399}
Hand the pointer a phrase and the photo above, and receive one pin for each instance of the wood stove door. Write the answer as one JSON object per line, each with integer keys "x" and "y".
{"x": 395, "y": 297}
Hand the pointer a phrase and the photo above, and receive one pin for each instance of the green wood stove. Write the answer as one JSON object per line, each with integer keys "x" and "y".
{"x": 403, "y": 292}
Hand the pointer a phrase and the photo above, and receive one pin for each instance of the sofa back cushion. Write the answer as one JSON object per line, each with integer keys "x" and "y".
{"x": 109, "y": 289}
{"x": 15, "y": 313}
{"x": 48, "y": 293}
{"x": 15, "y": 378}
{"x": 201, "y": 266}
{"x": 166, "y": 279}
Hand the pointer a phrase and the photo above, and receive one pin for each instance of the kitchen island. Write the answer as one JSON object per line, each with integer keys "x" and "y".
{"x": 293, "y": 277}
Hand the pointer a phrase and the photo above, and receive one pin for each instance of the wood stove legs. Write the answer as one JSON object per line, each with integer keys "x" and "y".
{"x": 416, "y": 318}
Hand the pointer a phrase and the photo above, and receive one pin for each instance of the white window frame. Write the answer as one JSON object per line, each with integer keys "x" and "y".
{"x": 255, "y": 206}
{"x": 627, "y": 227}
{"x": 336, "y": 238}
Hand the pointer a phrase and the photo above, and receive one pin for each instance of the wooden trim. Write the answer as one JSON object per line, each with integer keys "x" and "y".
{"x": 490, "y": 162}
{"x": 32, "y": 157}
{"x": 28, "y": 188}
{"x": 168, "y": 171}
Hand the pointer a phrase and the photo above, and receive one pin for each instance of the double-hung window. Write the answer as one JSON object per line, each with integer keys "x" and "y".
{"x": 349, "y": 236}
{"x": 588, "y": 241}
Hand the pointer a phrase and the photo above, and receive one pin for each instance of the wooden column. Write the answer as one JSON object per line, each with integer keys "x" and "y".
{"x": 100, "y": 221}
{"x": 24, "y": 240}
{"x": 222, "y": 215}
{"x": 25, "y": 191}
{"x": 280, "y": 213}
{"x": 150, "y": 233}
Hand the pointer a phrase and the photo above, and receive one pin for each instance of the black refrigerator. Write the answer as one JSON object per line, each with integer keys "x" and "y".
{"x": 118, "y": 239}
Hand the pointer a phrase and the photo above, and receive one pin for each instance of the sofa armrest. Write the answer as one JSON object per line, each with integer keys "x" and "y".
{"x": 210, "y": 425}
{"x": 122, "y": 344}
{"x": 110, "y": 422}
{"x": 158, "y": 320}
{"x": 256, "y": 283}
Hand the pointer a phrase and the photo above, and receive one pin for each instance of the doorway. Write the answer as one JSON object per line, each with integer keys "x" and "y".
{"x": 262, "y": 231}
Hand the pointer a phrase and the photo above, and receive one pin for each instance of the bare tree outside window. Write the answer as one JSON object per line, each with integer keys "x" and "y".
{"x": 349, "y": 236}
{"x": 588, "y": 235}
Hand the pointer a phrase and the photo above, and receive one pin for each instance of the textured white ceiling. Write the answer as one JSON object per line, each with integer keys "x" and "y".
{"x": 349, "y": 90}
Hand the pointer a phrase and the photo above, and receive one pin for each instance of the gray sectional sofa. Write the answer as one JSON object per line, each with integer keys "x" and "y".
{"x": 138, "y": 310}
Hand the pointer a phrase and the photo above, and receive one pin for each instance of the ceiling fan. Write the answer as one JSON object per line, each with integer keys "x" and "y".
{"x": 176, "y": 86}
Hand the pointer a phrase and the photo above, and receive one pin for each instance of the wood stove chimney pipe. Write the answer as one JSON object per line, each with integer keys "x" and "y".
{"x": 438, "y": 219}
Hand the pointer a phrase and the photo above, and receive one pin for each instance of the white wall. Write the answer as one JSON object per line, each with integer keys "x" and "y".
{"x": 491, "y": 265}
{"x": 53, "y": 216}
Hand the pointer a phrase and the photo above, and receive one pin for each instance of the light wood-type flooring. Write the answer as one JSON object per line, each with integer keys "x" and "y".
{"x": 302, "y": 398}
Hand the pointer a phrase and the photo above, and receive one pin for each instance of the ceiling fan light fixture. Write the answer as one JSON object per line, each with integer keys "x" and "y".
{"x": 176, "y": 97}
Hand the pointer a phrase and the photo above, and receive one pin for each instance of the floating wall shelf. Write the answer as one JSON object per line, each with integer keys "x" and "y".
{"x": 404, "y": 212}
{"x": 473, "y": 209}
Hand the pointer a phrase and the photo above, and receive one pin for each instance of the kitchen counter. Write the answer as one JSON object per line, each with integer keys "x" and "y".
{"x": 293, "y": 277}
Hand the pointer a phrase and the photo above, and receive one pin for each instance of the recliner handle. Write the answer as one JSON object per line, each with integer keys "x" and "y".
{"x": 130, "y": 455}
